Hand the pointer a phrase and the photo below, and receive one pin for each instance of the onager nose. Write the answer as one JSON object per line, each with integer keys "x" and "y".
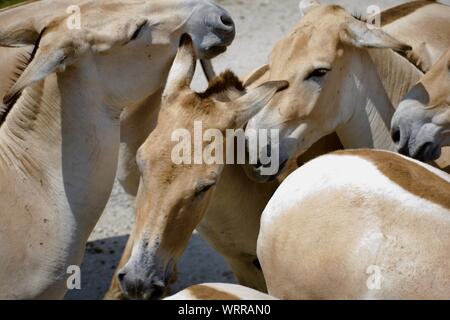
{"x": 139, "y": 288}
{"x": 227, "y": 21}
{"x": 224, "y": 27}
{"x": 400, "y": 136}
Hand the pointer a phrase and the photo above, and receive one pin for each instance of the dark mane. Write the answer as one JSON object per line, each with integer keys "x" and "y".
{"x": 226, "y": 80}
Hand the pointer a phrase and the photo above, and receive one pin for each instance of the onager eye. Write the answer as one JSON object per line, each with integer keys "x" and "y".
{"x": 203, "y": 187}
{"x": 138, "y": 31}
{"x": 318, "y": 73}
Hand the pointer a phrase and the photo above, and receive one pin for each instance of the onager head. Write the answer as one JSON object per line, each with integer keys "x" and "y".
{"x": 324, "y": 60}
{"x": 421, "y": 123}
{"x": 173, "y": 196}
{"x": 126, "y": 46}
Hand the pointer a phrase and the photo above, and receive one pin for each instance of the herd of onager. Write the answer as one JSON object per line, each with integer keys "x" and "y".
{"x": 344, "y": 216}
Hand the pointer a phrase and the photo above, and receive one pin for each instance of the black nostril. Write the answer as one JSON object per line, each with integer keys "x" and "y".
{"x": 421, "y": 153}
{"x": 158, "y": 292}
{"x": 257, "y": 264}
{"x": 121, "y": 276}
{"x": 226, "y": 20}
{"x": 395, "y": 135}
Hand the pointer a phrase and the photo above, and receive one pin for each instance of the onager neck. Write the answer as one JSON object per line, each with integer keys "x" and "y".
{"x": 370, "y": 109}
{"x": 64, "y": 141}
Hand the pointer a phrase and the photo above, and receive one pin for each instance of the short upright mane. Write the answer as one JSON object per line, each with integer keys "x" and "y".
{"x": 225, "y": 81}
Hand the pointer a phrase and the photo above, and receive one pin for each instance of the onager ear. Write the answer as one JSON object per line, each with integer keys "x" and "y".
{"x": 183, "y": 68}
{"x": 45, "y": 62}
{"x": 307, "y": 5}
{"x": 256, "y": 99}
{"x": 21, "y": 26}
{"x": 256, "y": 75}
{"x": 361, "y": 35}
{"x": 22, "y": 37}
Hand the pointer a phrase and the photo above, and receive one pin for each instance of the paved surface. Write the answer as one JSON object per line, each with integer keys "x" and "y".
{"x": 259, "y": 23}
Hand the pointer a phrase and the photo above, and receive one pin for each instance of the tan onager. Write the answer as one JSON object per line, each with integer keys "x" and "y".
{"x": 173, "y": 196}
{"x": 421, "y": 123}
{"x": 60, "y": 124}
{"x": 358, "y": 224}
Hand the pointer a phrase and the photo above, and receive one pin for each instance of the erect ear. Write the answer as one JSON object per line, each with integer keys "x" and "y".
{"x": 307, "y": 5}
{"x": 256, "y": 99}
{"x": 18, "y": 37}
{"x": 256, "y": 75}
{"x": 45, "y": 62}
{"x": 183, "y": 68}
{"x": 21, "y": 26}
{"x": 361, "y": 35}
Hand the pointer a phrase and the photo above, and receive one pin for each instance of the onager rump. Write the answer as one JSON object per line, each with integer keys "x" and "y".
{"x": 358, "y": 225}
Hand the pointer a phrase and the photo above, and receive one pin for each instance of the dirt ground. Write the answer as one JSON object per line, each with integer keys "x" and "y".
{"x": 259, "y": 24}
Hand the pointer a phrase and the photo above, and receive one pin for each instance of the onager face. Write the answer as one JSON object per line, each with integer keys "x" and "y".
{"x": 173, "y": 196}
{"x": 127, "y": 46}
{"x": 323, "y": 61}
{"x": 421, "y": 123}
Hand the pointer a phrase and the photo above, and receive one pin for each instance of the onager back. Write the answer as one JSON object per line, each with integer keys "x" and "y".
{"x": 358, "y": 225}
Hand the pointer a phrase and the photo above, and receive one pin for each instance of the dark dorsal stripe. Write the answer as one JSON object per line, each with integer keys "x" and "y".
{"x": 22, "y": 64}
{"x": 410, "y": 176}
{"x": 203, "y": 292}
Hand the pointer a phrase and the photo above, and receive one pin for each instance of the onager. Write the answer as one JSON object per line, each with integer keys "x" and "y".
{"x": 173, "y": 196}
{"x": 421, "y": 123}
{"x": 339, "y": 82}
{"x": 219, "y": 291}
{"x": 358, "y": 225}
{"x": 60, "y": 123}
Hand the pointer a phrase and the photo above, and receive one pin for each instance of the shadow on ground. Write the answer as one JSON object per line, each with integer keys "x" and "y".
{"x": 102, "y": 256}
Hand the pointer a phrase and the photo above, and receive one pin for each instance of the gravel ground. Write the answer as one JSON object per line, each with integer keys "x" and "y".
{"x": 259, "y": 23}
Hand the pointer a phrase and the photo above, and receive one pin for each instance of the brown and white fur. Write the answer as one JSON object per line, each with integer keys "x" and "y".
{"x": 219, "y": 291}
{"x": 358, "y": 224}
